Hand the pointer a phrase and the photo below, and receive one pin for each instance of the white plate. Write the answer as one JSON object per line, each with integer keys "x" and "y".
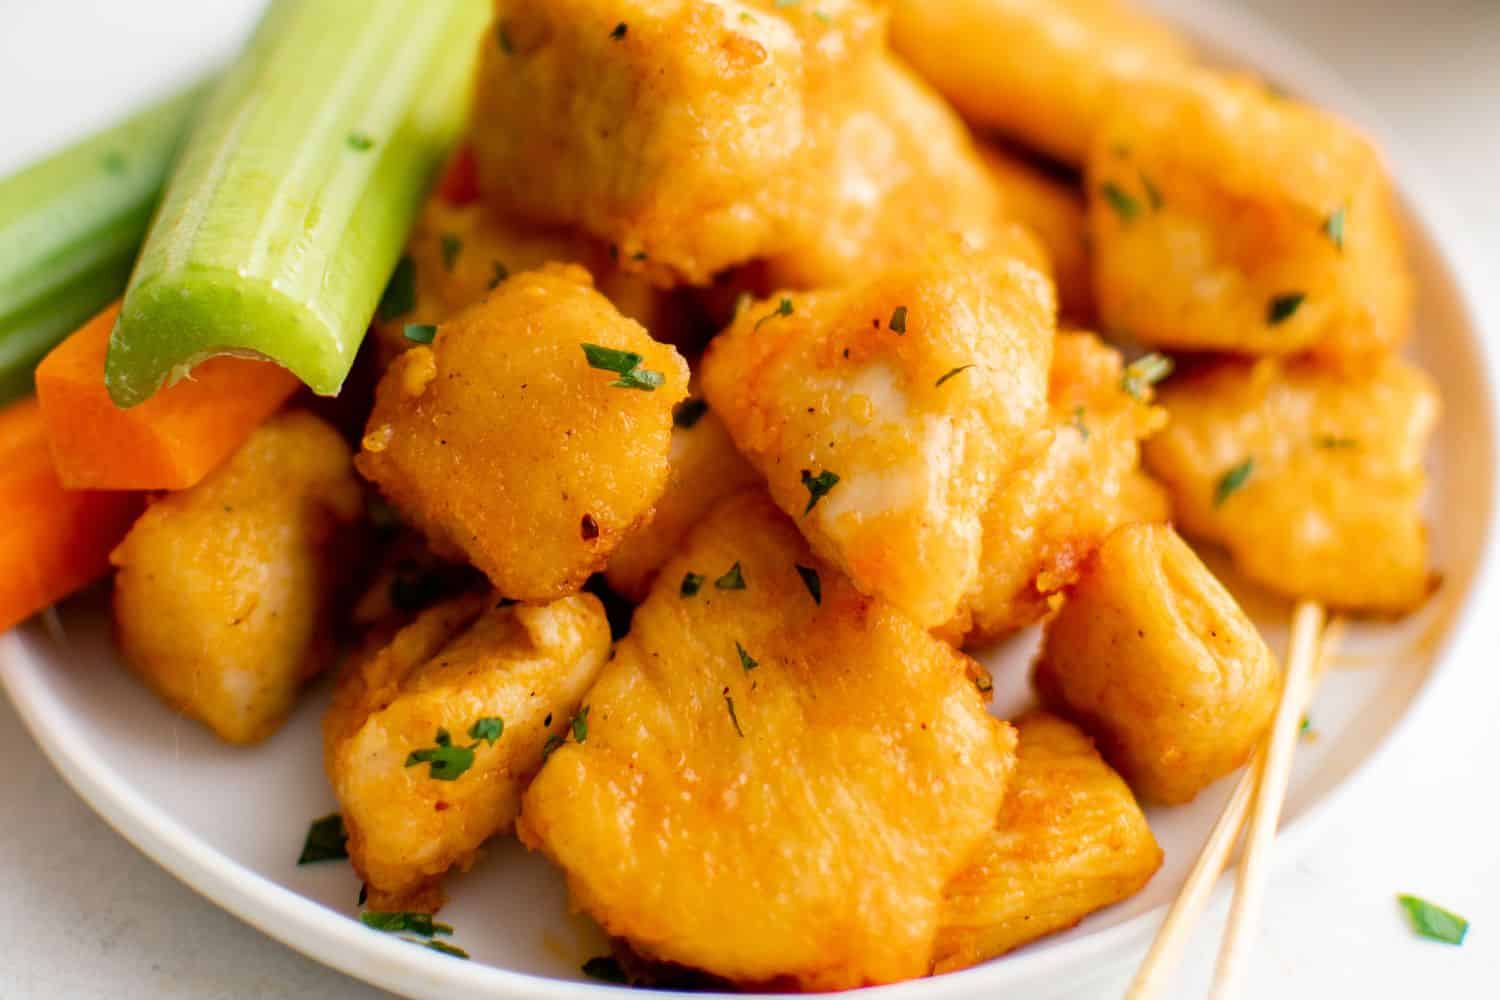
{"x": 230, "y": 822}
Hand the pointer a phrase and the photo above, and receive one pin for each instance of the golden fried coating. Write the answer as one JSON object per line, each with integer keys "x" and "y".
{"x": 1081, "y": 482}
{"x": 502, "y": 440}
{"x": 1153, "y": 657}
{"x": 1055, "y": 212}
{"x": 223, "y": 596}
{"x": 774, "y": 754}
{"x": 673, "y": 130}
{"x": 705, "y": 468}
{"x": 1070, "y": 840}
{"x": 1226, "y": 218}
{"x": 884, "y": 414}
{"x": 477, "y": 684}
{"x": 1312, "y": 479}
{"x": 1045, "y": 72}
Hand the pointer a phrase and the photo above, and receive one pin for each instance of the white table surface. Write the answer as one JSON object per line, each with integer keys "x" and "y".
{"x": 84, "y": 916}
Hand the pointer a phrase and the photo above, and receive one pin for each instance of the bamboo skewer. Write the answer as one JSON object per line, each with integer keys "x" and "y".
{"x": 1308, "y": 659}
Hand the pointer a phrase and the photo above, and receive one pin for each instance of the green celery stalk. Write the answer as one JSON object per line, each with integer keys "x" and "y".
{"x": 294, "y": 194}
{"x": 70, "y": 226}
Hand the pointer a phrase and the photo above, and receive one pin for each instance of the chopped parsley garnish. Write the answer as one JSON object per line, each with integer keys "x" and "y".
{"x": 783, "y": 308}
{"x": 1333, "y": 228}
{"x": 580, "y": 725}
{"x": 953, "y": 372}
{"x": 401, "y": 921}
{"x": 359, "y": 142}
{"x": 734, "y": 579}
{"x": 447, "y": 949}
{"x": 445, "y": 762}
{"x": 691, "y": 584}
{"x": 733, "y": 716}
{"x": 553, "y": 742}
{"x": 1333, "y": 441}
{"x": 325, "y": 841}
{"x": 898, "y": 320}
{"x": 1432, "y": 921}
{"x": 420, "y": 333}
{"x": 1144, "y": 372}
{"x": 1305, "y": 729}
{"x": 626, "y": 364}
{"x": 488, "y": 729}
{"x": 605, "y": 968}
{"x": 499, "y": 274}
{"x": 400, "y": 293}
{"x": 817, "y": 487}
{"x": 452, "y": 246}
{"x": 1077, "y": 423}
{"x": 746, "y": 660}
{"x": 1283, "y": 307}
{"x": 812, "y": 582}
{"x": 1230, "y": 482}
{"x": 688, "y": 412}
{"x": 620, "y": 31}
{"x": 1125, "y": 206}
{"x": 1153, "y": 196}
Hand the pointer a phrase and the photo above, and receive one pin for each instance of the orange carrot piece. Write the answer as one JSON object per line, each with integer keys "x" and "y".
{"x": 52, "y": 540}
{"x": 169, "y": 442}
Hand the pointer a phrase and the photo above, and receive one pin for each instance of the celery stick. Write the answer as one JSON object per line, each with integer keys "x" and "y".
{"x": 293, "y": 196}
{"x": 69, "y": 229}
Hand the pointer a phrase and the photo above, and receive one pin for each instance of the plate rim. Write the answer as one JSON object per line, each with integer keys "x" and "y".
{"x": 332, "y": 939}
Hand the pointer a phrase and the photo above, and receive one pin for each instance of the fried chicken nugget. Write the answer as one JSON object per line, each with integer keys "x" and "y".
{"x": 778, "y": 774}
{"x": 224, "y": 591}
{"x": 1056, "y": 213}
{"x": 1070, "y": 840}
{"x": 1155, "y": 659}
{"x": 1058, "y": 505}
{"x": 883, "y": 415}
{"x": 1227, "y": 218}
{"x": 532, "y": 435}
{"x": 1311, "y": 478}
{"x": 688, "y": 132}
{"x": 1045, "y": 72}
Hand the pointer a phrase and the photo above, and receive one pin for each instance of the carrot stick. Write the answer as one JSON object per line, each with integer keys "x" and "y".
{"x": 169, "y": 442}
{"x": 52, "y": 540}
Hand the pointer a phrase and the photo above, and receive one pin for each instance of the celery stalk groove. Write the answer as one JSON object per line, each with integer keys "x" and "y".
{"x": 293, "y": 196}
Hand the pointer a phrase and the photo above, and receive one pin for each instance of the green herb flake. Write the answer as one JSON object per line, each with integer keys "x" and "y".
{"x": 402, "y": 921}
{"x": 812, "y": 582}
{"x": 326, "y": 841}
{"x": 488, "y": 729}
{"x": 1078, "y": 424}
{"x": 400, "y": 294}
{"x": 734, "y": 579}
{"x": 1144, "y": 372}
{"x": 359, "y": 142}
{"x": 1333, "y": 228}
{"x": 1284, "y": 307}
{"x": 605, "y": 968}
{"x": 951, "y": 373}
{"x": 1232, "y": 481}
{"x": 733, "y": 716}
{"x": 688, "y": 412}
{"x": 783, "y": 308}
{"x": 553, "y": 742}
{"x": 420, "y": 333}
{"x": 453, "y": 951}
{"x": 746, "y": 660}
{"x": 1305, "y": 729}
{"x": 626, "y": 364}
{"x": 452, "y": 246}
{"x": 580, "y": 725}
{"x": 817, "y": 487}
{"x": 1433, "y": 922}
{"x": 691, "y": 584}
{"x": 499, "y": 272}
{"x": 898, "y": 320}
{"x": 445, "y": 762}
{"x": 1153, "y": 195}
{"x": 620, "y": 31}
{"x": 1126, "y": 207}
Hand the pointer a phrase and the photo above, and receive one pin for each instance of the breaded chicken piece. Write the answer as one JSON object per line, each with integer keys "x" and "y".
{"x": 1154, "y": 659}
{"x": 1070, "y": 840}
{"x": 431, "y": 739}
{"x": 224, "y": 591}
{"x": 705, "y": 468}
{"x": 1045, "y": 72}
{"x": 1055, "y": 212}
{"x": 883, "y": 415}
{"x": 459, "y": 253}
{"x": 673, "y": 130}
{"x": 1227, "y": 218}
{"x": 778, "y": 774}
{"x": 1312, "y": 480}
{"x": 532, "y": 435}
{"x": 1057, "y": 506}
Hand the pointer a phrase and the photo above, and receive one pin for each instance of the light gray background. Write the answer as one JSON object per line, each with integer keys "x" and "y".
{"x": 83, "y": 915}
